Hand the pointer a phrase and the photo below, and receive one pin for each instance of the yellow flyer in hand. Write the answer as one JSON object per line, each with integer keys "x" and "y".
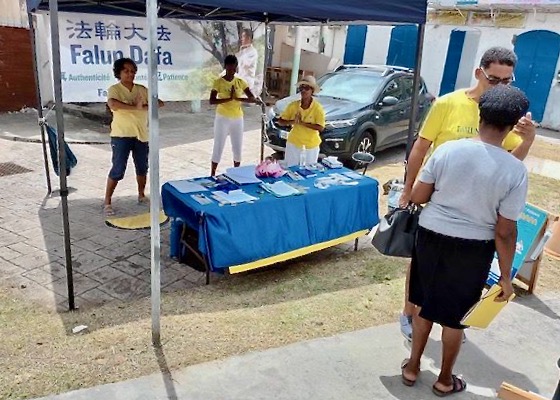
{"x": 483, "y": 312}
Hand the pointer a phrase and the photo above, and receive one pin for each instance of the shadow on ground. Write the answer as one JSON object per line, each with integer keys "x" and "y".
{"x": 482, "y": 373}
{"x": 111, "y": 268}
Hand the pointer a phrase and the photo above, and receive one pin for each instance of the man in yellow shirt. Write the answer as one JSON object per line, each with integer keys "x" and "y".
{"x": 307, "y": 118}
{"x": 128, "y": 102}
{"x": 456, "y": 116}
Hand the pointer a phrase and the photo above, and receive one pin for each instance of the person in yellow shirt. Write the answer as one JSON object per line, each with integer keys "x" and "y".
{"x": 226, "y": 93}
{"x": 128, "y": 102}
{"x": 456, "y": 116}
{"x": 307, "y": 118}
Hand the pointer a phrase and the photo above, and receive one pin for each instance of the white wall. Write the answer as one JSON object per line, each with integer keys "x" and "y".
{"x": 377, "y": 44}
{"x": 13, "y": 13}
{"x": 436, "y": 42}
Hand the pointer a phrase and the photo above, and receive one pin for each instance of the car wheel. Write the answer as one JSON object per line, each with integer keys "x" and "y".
{"x": 365, "y": 144}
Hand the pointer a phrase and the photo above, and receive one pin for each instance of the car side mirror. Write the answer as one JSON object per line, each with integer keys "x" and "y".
{"x": 389, "y": 101}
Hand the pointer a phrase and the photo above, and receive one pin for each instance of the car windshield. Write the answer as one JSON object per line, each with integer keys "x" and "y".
{"x": 354, "y": 86}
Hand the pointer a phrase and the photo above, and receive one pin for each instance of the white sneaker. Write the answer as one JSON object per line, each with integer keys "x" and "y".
{"x": 406, "y": 326}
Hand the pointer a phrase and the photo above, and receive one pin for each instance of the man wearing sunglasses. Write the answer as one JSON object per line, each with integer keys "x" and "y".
{"x": 456, "y": 116}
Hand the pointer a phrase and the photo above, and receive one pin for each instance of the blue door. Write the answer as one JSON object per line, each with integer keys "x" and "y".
{"x": 538, "y": 54}
{"x": 355, "y": 44}
{"x": 402, "y": 47}
{"x": 452, "y": 62}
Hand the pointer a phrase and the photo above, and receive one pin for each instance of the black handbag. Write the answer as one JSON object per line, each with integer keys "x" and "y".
{"x": 396, "y": 233}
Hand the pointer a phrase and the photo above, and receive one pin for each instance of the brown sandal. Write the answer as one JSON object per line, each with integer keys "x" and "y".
{"x": 405, "y": 380}
{"x": 459, "y": 385}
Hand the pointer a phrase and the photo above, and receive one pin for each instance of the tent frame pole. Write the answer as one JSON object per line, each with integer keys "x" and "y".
{"x": 57, "y": 73}
{"x": 32, "y": 32}
{"x": 153, "y": 118}
{"x": 264, "y": 88}
{"x": 415, "y": 93}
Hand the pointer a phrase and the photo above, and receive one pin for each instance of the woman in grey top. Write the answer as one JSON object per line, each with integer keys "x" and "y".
{"x": 475, "y": 191}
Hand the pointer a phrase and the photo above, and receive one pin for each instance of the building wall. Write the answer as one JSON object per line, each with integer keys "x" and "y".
{"x": 17, "y": 84}
{"x": 436, "y": 42}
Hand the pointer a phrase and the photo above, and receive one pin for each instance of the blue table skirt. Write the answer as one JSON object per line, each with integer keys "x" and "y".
{"x": 233, "y": 235}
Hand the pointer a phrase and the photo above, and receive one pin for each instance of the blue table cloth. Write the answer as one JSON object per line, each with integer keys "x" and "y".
{"x": 231, "y": 235}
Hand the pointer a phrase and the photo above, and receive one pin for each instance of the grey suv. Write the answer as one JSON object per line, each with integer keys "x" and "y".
{"x": 367, "y": 109}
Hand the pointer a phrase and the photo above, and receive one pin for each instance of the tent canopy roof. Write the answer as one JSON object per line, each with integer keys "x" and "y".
{"x": 280, "y": 11}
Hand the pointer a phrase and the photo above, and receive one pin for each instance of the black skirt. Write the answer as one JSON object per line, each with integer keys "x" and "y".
{"x": 447, "y": 276}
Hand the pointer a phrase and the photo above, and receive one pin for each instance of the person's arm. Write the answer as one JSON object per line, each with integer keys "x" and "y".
{"x": 115, "y": 104}
{"x": 422, "y": 192}
{"x": 415, "y": 160}
{"x": 214, "y": 97}
{"x": 527, "y": 131}
{"x": 250, "y": 97}
{"x": 288, "y": 117}
{"x": 506, "y": 238}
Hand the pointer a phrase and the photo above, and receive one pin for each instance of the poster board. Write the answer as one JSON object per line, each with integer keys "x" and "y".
{"x": 530, "y": 229}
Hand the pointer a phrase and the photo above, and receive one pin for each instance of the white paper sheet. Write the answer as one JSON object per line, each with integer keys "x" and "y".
{"x": 186, "y": 186}
{"x": 243, "y": 175}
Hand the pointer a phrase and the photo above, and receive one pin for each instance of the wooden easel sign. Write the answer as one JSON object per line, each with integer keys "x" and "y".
{"x": 531, "y": 227}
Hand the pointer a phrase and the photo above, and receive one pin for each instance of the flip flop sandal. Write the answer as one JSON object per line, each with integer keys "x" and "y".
{"x": 405, "y": 380}
{"x": 459, "y": 385}
{"x": 144, "y": 200}
{"x": 108, "y": 210}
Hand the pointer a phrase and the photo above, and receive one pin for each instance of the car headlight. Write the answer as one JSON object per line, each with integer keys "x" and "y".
{"x": 341, "y": 123}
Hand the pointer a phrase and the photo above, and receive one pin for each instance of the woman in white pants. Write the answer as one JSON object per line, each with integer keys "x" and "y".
{"x": 226, "y": 94}
{"x": 307, "y": 118}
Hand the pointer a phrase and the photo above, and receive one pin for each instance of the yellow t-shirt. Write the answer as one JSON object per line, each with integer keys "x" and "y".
{"x": 301, "y": 135}
{"x": 456, "y": 116}
{"x": 231, "y": 109}
{"x": 129, "y": 123}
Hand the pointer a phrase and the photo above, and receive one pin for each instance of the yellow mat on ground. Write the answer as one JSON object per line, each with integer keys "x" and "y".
{"x": 141, "y": 221}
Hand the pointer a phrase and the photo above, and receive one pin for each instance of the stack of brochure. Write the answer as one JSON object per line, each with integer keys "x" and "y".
{"x": 280, "y": 189}
{"x": 233, "y": 197}
{"x": 332, "y": 162}
{"x": 242, "y": 175}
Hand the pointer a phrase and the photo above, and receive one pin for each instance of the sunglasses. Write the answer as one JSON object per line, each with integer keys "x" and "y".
{"x": 305, "y": 87}
{"x": 493, "y": 80}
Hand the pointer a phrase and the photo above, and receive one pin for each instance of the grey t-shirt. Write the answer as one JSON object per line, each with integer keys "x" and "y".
{"x": 473, "y": 182}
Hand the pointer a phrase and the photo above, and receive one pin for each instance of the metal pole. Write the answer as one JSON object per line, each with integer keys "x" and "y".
{"x": 297, "y": 58}
{"x": 416, "y": 88}
{"x": 39, "y": 100}
{"x": 152, "y": 14}
{"x": 55, "y": 42}
{"x": 267, "y": 47}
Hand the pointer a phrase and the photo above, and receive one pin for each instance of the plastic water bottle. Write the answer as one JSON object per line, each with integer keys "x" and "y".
{"x": 302, "y": 157}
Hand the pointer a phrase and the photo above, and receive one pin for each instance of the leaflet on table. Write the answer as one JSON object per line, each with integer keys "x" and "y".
{"x": 186, "y": 186}
{"x": 233, "y": 197}
{"x": 280, "y": 189}
{"x": 331, "y": 162}
{"x": 243, "y": 175}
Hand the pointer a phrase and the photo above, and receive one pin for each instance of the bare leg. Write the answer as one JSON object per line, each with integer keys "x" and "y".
{"x": 109, "y": 190}
{"x": 213, "y": 169}
{"x": 420, "y": 333}
{"x": 141, "y": 180}
{"x": 451, "y": 342}
{"x": 408, "y": 309}
{"x": 236, "y": 163}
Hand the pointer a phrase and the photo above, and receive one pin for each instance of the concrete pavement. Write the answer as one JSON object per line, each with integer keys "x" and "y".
{"x": 113, "y": 265}
{"x": 364, "y": 365}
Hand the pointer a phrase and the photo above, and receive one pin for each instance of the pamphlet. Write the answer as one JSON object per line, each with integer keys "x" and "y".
{"x": 280, "y": 189}
{"x": 483, "y": 312}
{"x": 186, "y": 186}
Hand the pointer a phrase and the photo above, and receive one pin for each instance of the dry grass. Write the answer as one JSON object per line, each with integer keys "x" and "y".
{"x": 544, "y": 149}
{"x": 330, "y": 292}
